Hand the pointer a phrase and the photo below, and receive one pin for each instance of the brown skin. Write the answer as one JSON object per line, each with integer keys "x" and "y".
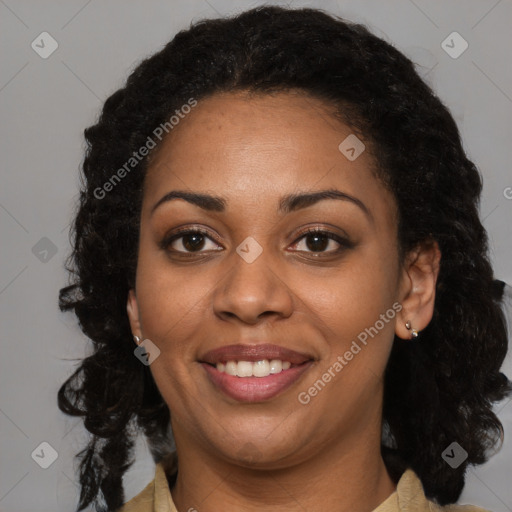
{"x": 252, "y": 150}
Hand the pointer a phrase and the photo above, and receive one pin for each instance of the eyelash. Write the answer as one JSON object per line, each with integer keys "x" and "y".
{"x": 167, "y": 241}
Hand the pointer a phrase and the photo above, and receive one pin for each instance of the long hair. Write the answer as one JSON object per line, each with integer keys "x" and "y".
{"x": 438, "y": 390}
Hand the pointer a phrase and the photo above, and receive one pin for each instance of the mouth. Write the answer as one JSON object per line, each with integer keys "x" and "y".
{"x": 254, "y": 373}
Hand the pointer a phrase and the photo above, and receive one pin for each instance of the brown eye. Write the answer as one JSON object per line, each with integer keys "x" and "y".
{"x": 317, "y": 240}
{"x": 189, "y": 241}
{"x": 193, "y": 241}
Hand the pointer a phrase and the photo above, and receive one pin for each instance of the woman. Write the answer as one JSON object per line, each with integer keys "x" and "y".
{"x": 280, "y": 214}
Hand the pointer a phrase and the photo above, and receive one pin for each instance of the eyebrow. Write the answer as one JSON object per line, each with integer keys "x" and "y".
{"x": 287, "y": 204}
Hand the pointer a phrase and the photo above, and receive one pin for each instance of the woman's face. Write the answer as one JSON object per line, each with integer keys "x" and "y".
{"x": 257, "y": 277}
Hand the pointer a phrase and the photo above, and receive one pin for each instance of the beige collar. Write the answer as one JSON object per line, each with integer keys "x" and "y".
{"x": 408, "y": 497}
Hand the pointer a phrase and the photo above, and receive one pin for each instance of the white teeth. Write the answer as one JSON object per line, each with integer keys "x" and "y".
{"x": 276, "y": 366}
{"x": 244, "y": 369}
{"x": 262, "y": 368}
{"x": 231, "y": 367}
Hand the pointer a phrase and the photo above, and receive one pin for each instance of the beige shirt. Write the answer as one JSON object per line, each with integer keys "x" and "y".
{"x": 408, "y": 497}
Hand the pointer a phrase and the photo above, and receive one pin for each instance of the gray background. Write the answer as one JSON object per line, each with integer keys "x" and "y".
{"x": 45, "y": 104}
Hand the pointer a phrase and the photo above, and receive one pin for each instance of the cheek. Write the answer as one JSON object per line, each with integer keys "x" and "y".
{"x": 357, "y": 320}
{"x": 170, "y": 308}
{"x": 354, "y": 310}
{"x": 169, "y": 299}
{"x": 355, "y": 296}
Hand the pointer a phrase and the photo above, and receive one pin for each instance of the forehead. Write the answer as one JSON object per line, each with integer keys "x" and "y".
{"x": 258, "y": 148}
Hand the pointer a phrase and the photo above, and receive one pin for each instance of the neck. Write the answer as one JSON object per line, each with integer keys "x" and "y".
{"x": 342, "y": 478}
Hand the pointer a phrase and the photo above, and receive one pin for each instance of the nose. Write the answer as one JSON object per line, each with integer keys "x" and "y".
{"x": 253, "y": 291}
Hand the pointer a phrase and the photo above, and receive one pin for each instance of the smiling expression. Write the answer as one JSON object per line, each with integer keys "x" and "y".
{"x": 264, "y": 173}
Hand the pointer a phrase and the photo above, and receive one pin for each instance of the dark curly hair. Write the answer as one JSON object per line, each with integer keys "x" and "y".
{"x": 436, "y": 391}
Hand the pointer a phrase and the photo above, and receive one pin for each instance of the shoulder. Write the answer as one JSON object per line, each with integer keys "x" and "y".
{"x": 411, "y": 497}
{"x": 143, "y": 502}
{"x": 156, "y": 496}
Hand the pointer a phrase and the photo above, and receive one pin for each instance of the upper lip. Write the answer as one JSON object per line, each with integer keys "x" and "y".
{"x": 253, "y": 352}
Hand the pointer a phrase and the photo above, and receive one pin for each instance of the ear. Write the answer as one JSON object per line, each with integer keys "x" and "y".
{"x": 418, "y": 288}
{"x": 133, "y": 313}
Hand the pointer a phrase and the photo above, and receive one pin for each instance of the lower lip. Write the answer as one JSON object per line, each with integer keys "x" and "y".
{"x": 255, "y": 389}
